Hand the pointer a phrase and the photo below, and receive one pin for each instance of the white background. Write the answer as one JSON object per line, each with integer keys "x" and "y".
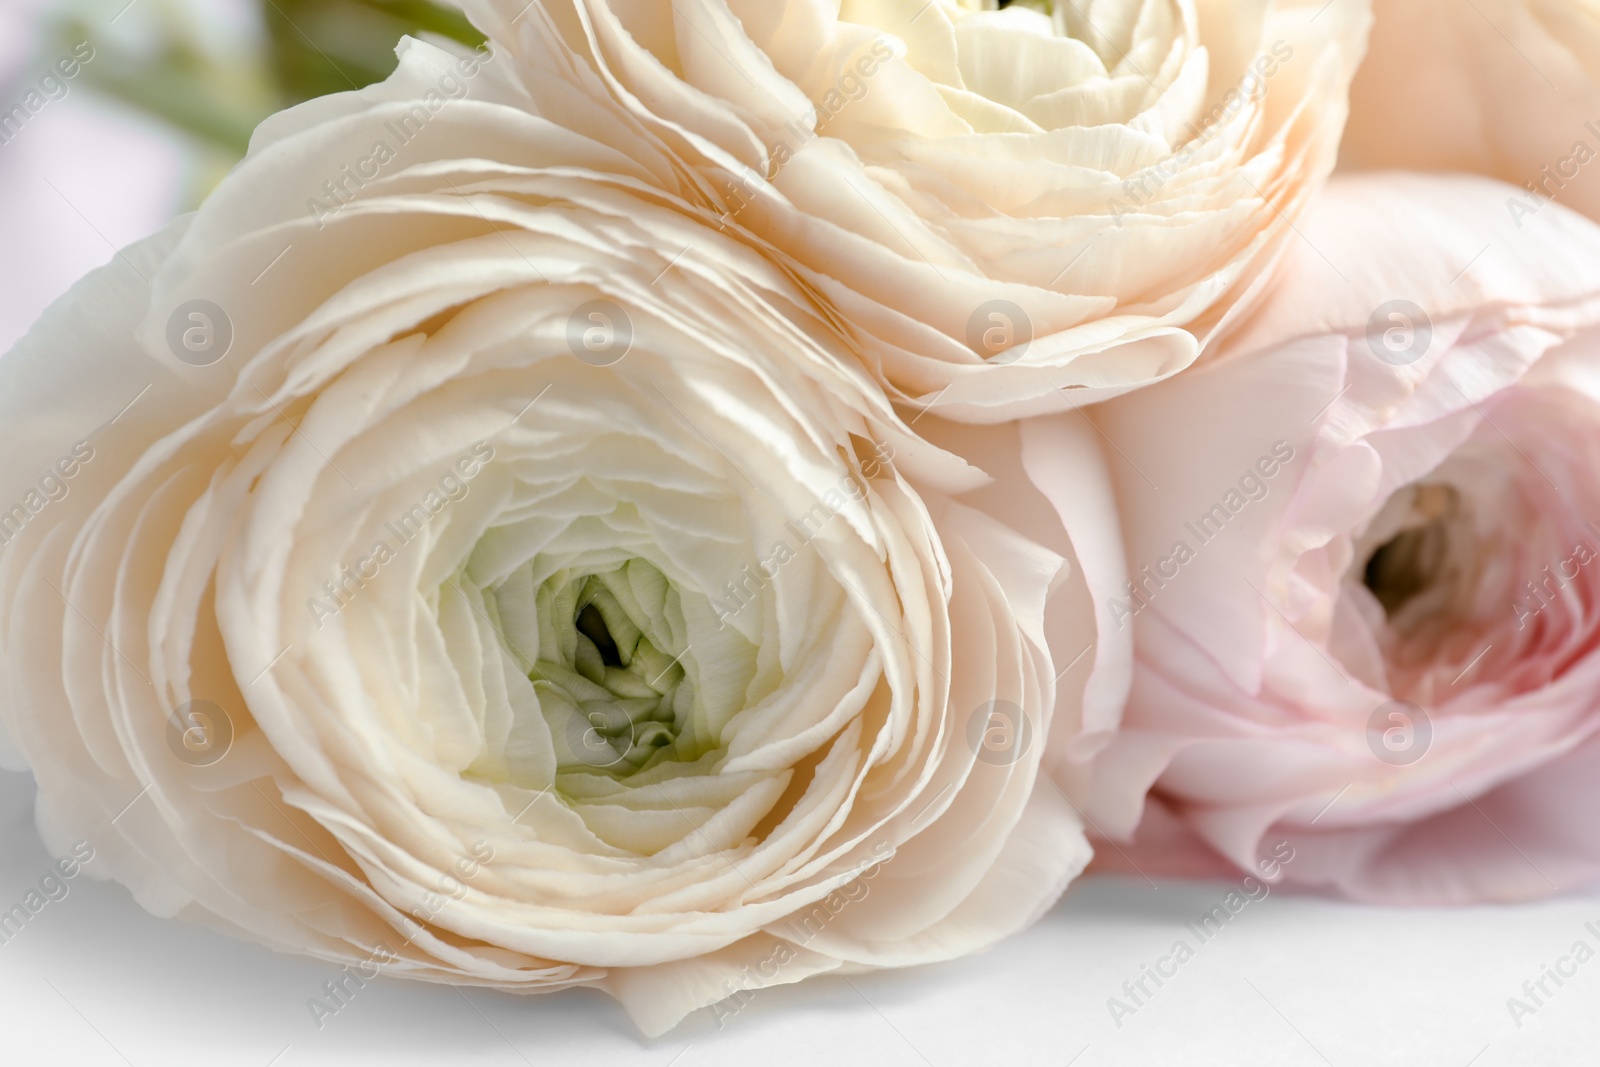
{"x": 1288, "y": 981}
{"x": 1291, "y": 980}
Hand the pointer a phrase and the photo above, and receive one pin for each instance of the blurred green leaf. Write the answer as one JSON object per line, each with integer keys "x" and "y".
{"x": 331, "y": 46}
{"x": 311, "y": 48}
{"x": 187, "y": 98}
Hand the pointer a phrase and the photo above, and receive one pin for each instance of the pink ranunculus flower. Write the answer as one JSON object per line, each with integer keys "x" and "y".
{"x": 1363, "y": 554}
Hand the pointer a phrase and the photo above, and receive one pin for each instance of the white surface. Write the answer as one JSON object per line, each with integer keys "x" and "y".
{"x": 93, "y": 980}
{"x": 1288, "y": 981}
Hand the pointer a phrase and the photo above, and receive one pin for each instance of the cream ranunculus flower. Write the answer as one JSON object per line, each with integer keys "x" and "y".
{"x": 497, "y": 577}
{"x": 1507, "y": 88}
{"x": 1016, "y": 210}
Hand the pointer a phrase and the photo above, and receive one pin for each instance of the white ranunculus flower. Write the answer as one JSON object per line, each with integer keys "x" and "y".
{"x": 430, "y": 558}
{"x": 1015, "y": 210}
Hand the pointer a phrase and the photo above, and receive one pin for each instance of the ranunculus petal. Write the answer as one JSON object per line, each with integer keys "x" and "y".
{"x": 1015, "y": 212}
{"x": 1361, "y": 600}
{"x": 474, "y": 562}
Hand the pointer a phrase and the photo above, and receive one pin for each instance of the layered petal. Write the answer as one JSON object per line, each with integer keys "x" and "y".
{"x": 1505, "y": 88}
{"x": 437, "y": 556}
{"x": 1014, "y": 211}
{"x": 1359, "y": 550}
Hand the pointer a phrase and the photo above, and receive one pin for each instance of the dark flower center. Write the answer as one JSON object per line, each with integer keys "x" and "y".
{"x": 1423, "y": 556}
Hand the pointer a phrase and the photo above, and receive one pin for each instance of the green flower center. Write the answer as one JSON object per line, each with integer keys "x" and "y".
{"x": 611, "y": 684}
